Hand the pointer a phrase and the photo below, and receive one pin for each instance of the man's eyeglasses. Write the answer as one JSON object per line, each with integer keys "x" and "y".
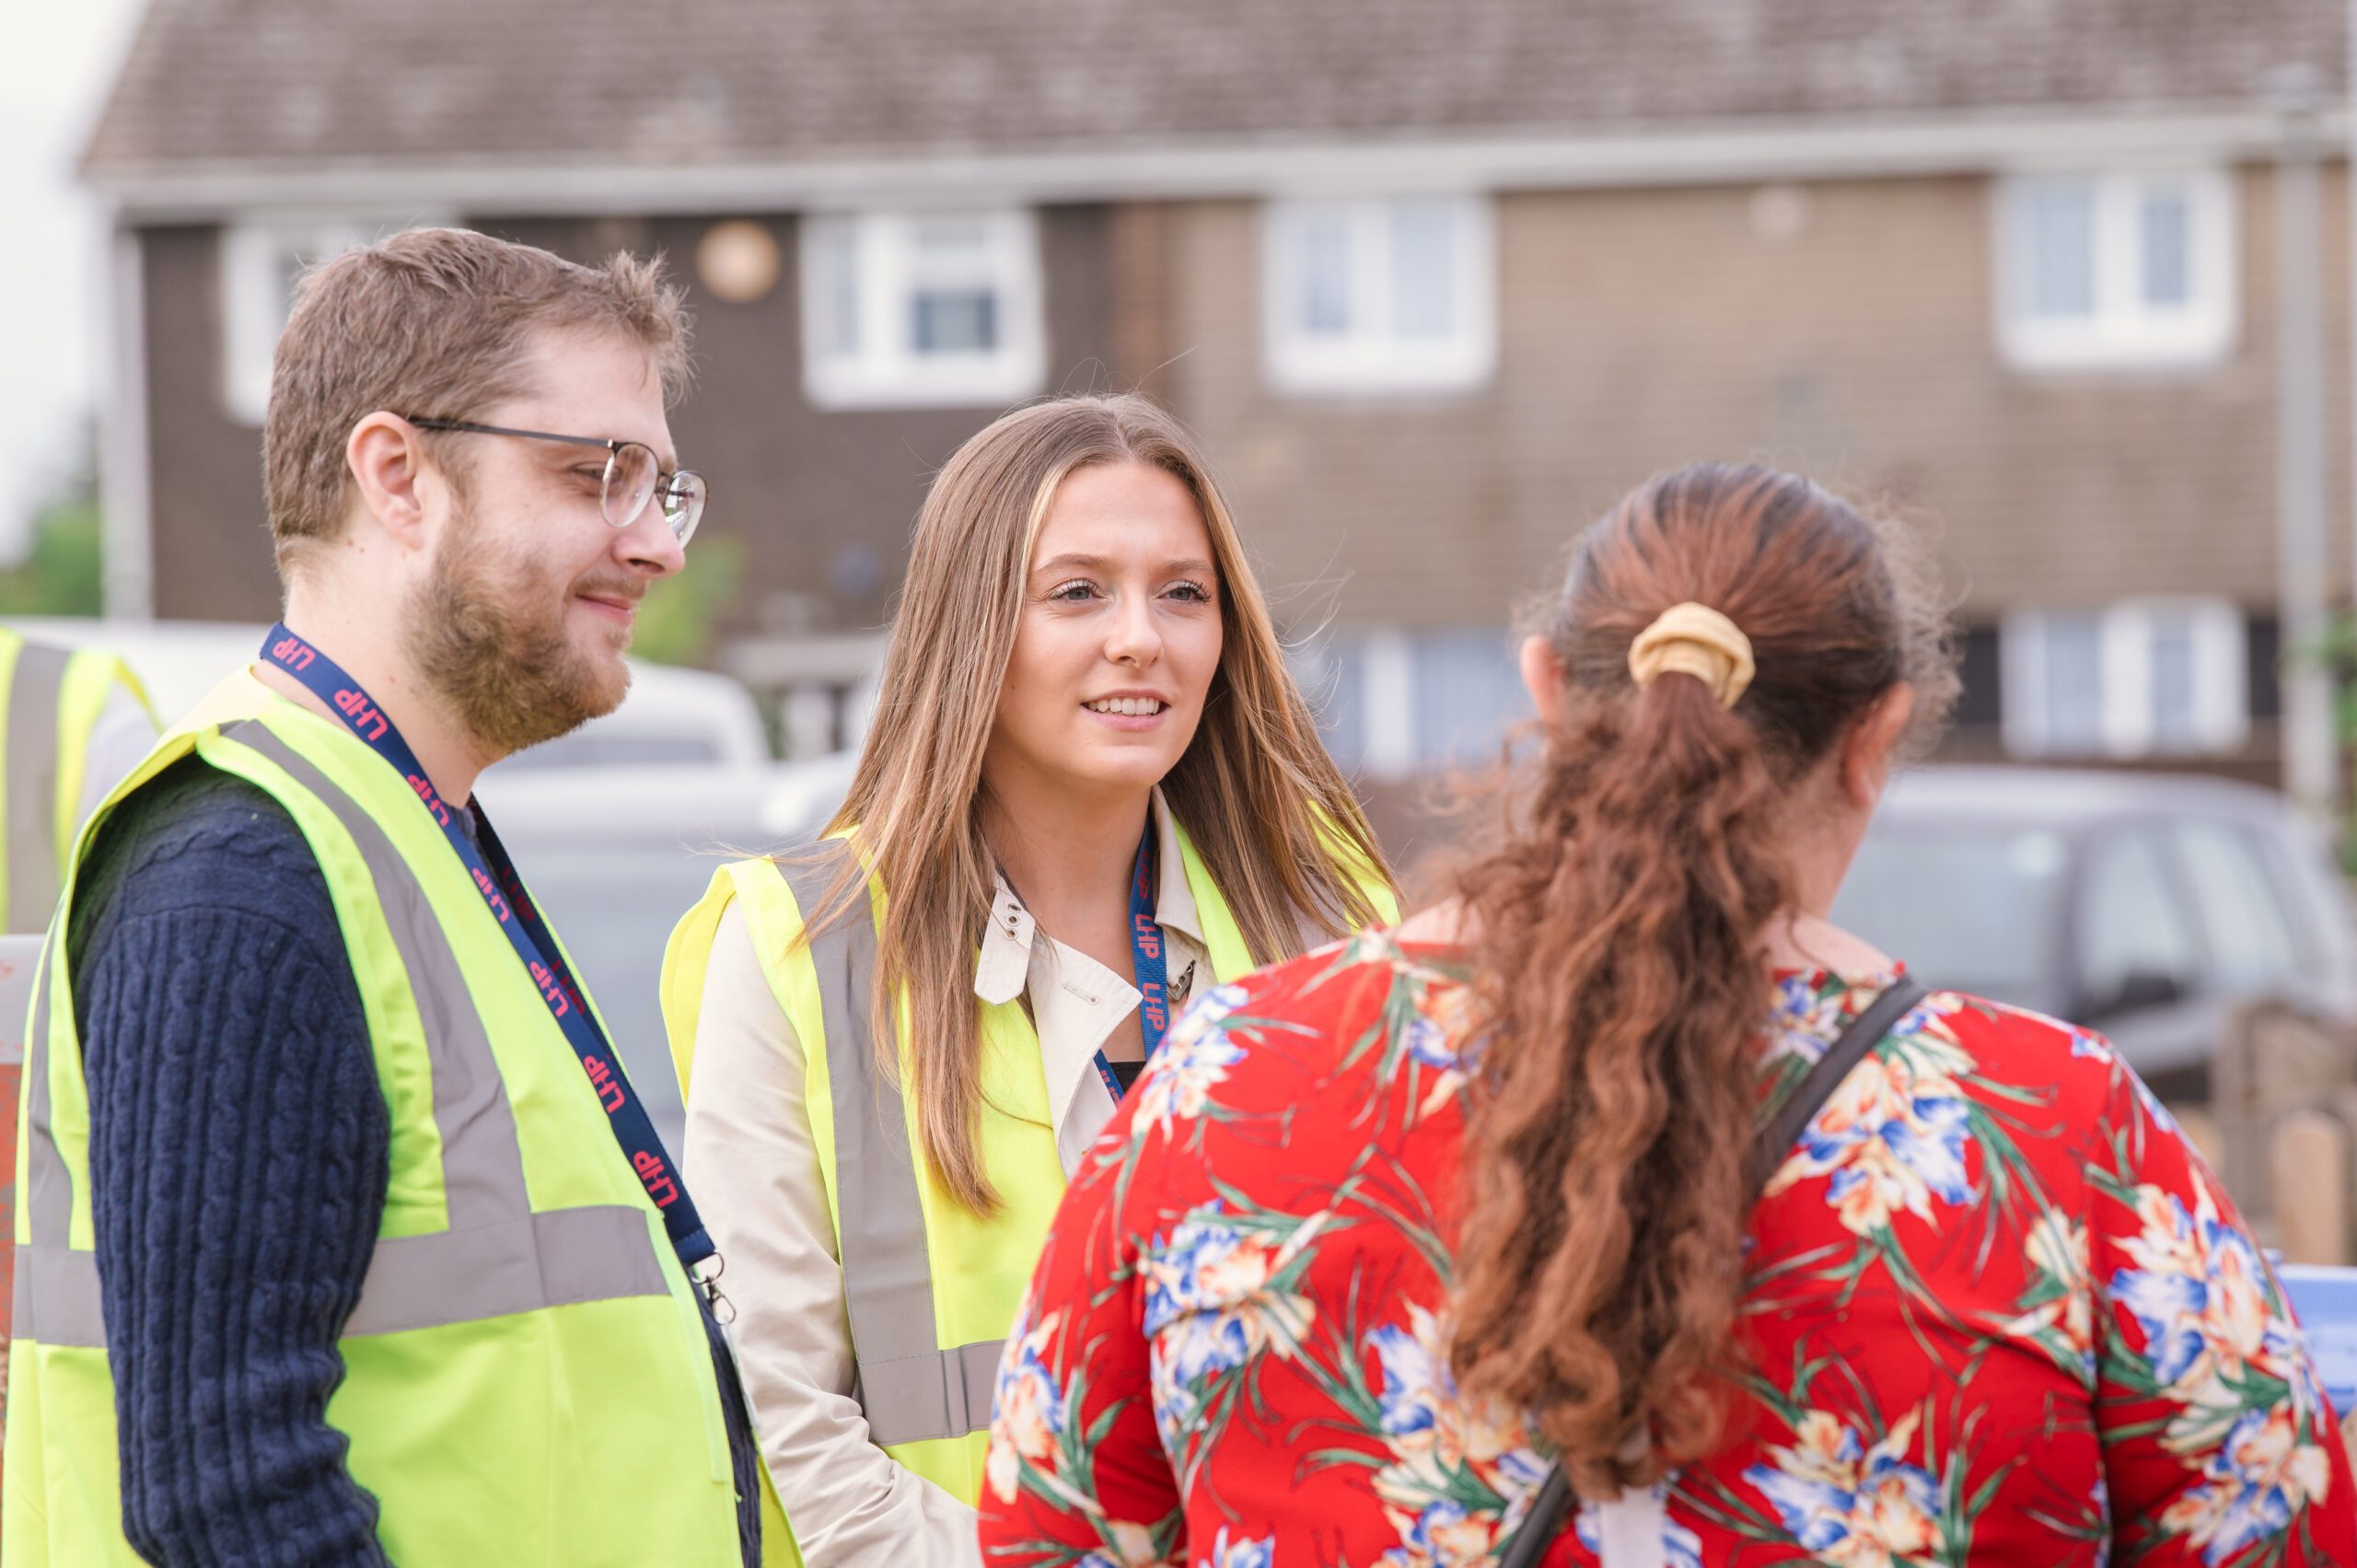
{"x": 634, "y": 477}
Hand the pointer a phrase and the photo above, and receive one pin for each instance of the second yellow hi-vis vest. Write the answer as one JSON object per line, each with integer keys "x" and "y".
{"x": 930, "y": 1288}
{"x": 50, "y": 702}
{"x": 526, "y": 1379}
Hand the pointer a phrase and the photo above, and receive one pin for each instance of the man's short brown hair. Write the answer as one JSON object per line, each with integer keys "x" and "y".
{"x": 434, "y": 323}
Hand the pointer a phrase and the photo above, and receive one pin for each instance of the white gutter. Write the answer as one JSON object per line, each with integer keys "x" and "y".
{"x": 1710, "y": 153}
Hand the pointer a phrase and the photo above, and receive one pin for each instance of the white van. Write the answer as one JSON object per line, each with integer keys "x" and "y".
{"x": 617, "y": 827}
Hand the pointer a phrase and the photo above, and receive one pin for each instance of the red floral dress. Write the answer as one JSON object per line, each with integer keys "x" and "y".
{"x": 1999, "y": 1312}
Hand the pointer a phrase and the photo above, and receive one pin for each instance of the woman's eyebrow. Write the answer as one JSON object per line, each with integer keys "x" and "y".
{"x": 1070, "y": 562}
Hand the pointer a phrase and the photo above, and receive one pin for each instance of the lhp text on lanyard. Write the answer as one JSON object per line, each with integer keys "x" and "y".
{"x": 1150, "y": 955}
{"x": 502, "y": 891}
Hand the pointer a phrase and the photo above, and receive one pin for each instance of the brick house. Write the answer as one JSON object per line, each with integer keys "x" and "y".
{"x": 1435, "y": 284}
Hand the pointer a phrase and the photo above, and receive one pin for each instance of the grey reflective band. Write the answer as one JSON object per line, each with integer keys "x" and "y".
{"x": 35, "y": 691}
{"x": 554, "y": 1259}
{"x": 483, "y": 1165}
{"x": 557, "y": 1258}
{"x": 50, "y": 1205}
{"x": 911, "y": 1389}
{"x": 497, "y": 1258}
{"x": 942, "y": 1394}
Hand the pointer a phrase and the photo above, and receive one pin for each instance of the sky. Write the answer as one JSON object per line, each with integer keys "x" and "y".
{"x": 54, "y": 270}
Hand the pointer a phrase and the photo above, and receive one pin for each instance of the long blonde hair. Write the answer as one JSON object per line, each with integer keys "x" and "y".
{"x": 1275, "y": 824}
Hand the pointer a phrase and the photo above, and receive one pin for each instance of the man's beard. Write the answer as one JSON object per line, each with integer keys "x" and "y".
{"x": 487, "y": 632}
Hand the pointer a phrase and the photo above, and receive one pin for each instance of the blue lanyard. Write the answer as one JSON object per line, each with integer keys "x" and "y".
{"x": 502, "y": 891}
{"x": 1152, "y": 960}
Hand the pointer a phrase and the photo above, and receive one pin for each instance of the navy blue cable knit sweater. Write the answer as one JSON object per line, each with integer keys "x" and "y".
{"x": 238, "y": 1154}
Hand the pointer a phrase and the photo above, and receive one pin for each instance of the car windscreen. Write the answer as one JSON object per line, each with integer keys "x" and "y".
{"x": 1966, "y": 906}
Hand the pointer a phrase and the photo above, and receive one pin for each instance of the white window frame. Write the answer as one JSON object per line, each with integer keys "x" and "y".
{"x": 1371, "y": 359}
{"x": 886, "y": 371}
{"x": 2122, "y": 332}
{"x": 2221, "y": 674}
{"x": 253, "y": 312}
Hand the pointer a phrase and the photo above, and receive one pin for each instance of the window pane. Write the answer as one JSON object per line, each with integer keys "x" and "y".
{"x": 2059, "y": 219}
{"x": 2250, "y": 936}
{"x": 1423, "y": 269}
{"x": 1323, "y": 303}
{"x": 2174, "y": 728}
{"x": 2130, "y": 921}
{"x": 2168, "y": 232}
{"x": 2073, "y": 683}
{"x": 837, "y": 258}
{"x": 954, "y": 321}
{"x": 1467, "y": 694}
{"x": 1331, "y": 673}
{"x": 290, "y": 274}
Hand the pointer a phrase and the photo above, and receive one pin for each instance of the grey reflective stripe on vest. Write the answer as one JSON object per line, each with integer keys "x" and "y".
{"x": 498, "y": 1257}
{"x": 909, "y": 1386}
{"x": 56, "y": 1289}
{"x": 34, "y": 692}
{"x": 483, "y": 1166}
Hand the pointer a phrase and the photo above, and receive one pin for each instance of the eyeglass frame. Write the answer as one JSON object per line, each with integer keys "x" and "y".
{"x": 612, "y": 446}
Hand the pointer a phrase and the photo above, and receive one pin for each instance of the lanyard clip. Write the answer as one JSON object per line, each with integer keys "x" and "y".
{"x": 705, "y": 1277}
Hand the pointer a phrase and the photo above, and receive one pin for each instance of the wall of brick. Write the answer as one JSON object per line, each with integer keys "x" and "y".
{"x": 1641, "y": 329}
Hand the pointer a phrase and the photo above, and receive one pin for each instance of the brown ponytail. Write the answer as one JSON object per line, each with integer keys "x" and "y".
{"x": 1615, "y": 932}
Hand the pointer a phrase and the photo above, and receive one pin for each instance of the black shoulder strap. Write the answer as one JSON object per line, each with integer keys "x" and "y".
{"x": 1769, "y": 1144}
{"x": 1777, "y": 1135}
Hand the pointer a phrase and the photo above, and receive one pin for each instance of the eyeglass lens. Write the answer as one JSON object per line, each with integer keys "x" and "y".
{"x": 632, "y": 475}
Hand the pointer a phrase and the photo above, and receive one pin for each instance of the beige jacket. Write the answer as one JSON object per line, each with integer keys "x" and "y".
{"x": 754, "y": 1168}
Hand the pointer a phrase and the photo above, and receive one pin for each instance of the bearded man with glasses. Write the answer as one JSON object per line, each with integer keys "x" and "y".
{"x": 343, "y": 1237}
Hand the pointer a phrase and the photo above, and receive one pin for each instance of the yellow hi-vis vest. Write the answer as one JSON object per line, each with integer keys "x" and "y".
{"x": 527, "y": 1382}
{"x": 50, "y": 702}
{"x": 930, "y": 1288}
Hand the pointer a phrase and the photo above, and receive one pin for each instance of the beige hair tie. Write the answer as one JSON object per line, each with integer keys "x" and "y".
{"x": 1693, "y": 639}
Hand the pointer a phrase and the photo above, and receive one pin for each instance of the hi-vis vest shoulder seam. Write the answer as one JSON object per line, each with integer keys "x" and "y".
{"x": 497, "y": 1258}
{"x": 919, "y": 1390}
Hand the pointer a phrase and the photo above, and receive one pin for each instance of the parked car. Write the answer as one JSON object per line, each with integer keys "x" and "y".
{"x": 2149, "y": 906}
{"x": 617, "y": 854}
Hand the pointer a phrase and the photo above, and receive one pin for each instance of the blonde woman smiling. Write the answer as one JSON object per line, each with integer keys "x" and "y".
{"x": 1091, "y": 791}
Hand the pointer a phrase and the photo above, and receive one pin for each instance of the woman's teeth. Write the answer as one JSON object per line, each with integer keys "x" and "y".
{"x": 1135, "y": 707}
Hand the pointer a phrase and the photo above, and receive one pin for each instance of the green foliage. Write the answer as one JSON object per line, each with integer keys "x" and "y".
{"x": 2337, "y": 652}
{"x": 60, "y": 575}
{"x": 675, "y": 622}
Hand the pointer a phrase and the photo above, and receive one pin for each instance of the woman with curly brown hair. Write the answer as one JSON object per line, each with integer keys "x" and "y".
{"x": 1404, "y": 1240}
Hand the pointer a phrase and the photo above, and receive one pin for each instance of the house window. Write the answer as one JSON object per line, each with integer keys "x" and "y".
{"x": 1393, "y": 702}
{"x": 921, "y": 308}
{"x": 2138, "y": 678}
{"x": 260, "y": 263}
{"x": 2115, "y": 270}
{"x": 1375, "y": 296}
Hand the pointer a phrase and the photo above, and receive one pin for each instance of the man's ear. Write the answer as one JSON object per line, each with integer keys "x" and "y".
{"x": 386, "y": 457}
{"x": 1543, "y": 677}
{"x": 1866, "y": 751}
